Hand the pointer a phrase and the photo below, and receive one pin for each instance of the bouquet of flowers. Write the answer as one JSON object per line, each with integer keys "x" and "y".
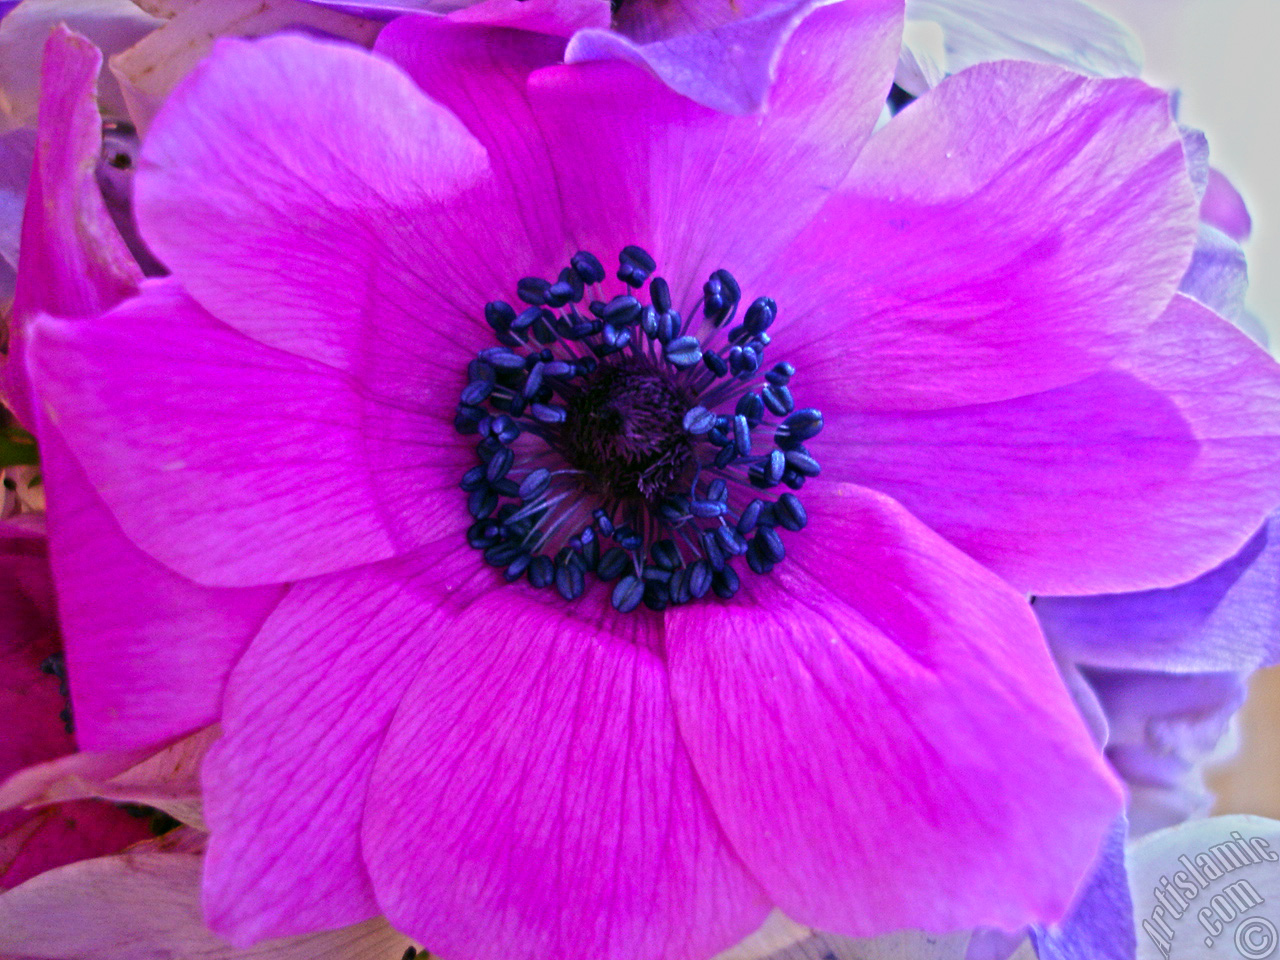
{"x": 561, "y": 480}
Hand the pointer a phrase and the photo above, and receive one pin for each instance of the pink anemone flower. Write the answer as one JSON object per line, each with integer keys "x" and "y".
{"x": 729, "y": 612}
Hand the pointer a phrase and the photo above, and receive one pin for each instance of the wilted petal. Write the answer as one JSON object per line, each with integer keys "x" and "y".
{"x": 145, "y": 904}
{"x": 111, "y": 25}
{"x": 17, "y": 150}
{"x": 35, "y": 841}
{"x": 167, "y": 779}
{"x": 74, "y": 262}
{"x": 1163, "y": 727}
{"x": 903, "y": 945}
{"x": 1179, "y": 875}
{"x": 150, "y": 70}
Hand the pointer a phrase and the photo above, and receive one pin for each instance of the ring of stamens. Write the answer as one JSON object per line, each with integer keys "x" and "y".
{"x": 621, "y": 444}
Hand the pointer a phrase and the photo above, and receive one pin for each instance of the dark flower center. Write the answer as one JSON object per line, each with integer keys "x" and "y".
{"x": 621, "y": 443}
{"x": 625, "y": 431}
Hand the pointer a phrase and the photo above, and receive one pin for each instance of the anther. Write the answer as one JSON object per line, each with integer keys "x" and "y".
{"x": 640, "y": 451}
{"x": 586, "y": 266}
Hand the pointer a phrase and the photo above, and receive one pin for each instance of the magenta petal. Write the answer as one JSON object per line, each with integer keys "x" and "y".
{"x": 1017, "y": 218}
{"x": 280, "y": 234}
{"x": 880, "y": 755}
{"x": 1140, "y": 477}
{"x": 559, "y": 18}
{"x": 571, "y": 173}
{"x": 148, "y": 651}
{"x": 517, "y": 222}
{"x": 719, "y": 191}
{"x": 532, "y": 798}
{"x": 237, "y": 464}
{"x": 29, "y": 699}
{"x": 1224, "y": 208}
{"x": 727, "y": 62}
{"x": 73, "y": 260}
{"x": 61, "y": 834}
{"x": 305, "y": 712}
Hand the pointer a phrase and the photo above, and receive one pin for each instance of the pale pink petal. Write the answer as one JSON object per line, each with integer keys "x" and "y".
{"x": 167, "y": 779}
{"x": 532, "y": 798}
{"x": 144, "y": 905}
{"x": 1038, "y": 221}
{"x": 1070, "y": 33}
{"x": 110, "y": 25}
{"x": 147, "y": 650}
{"x": 879, "y": 754}
{"x": 1139, "y": 477}
{"x": 304, "y": 716}
{"x": 237, "y": 464}
{"x": 58, "y": 779}
{"x": 150, "y": 69}
{"x": 74, "y": 262}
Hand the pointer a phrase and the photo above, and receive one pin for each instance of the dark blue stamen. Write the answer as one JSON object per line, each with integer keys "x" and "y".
{"x": 617, "y": 442}
{"x": 634, "y": 266}
{"x": 586, "y": 266}
{"x": 660, "y": 294}
{"x": 781, "y": 374}
{"x": 499, "y": 314}
{"x": 721, "y": 295}
{"x": 628, "y": 594}
{"x": 790, "y": 512}
{"x": 533, "y": 290}
{"x": 683, "y": 352}
{"x": 778, "y": 399}
{"x": 750, "y": 516}
{"x": 699, "y": 420}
